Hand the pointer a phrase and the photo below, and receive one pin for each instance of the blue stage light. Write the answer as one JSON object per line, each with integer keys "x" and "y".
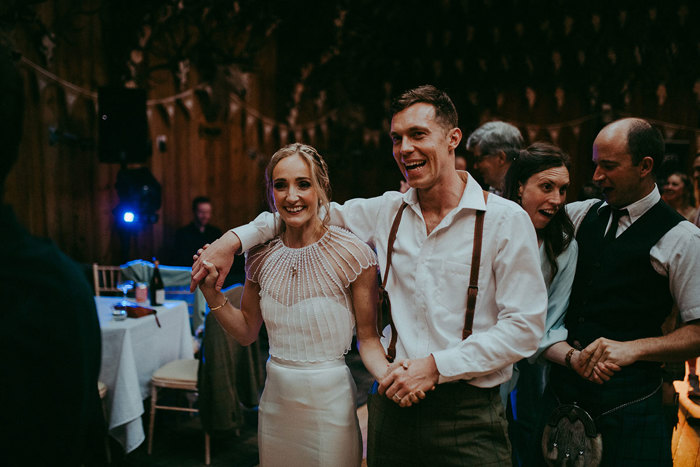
{"x": 139, "y": 199}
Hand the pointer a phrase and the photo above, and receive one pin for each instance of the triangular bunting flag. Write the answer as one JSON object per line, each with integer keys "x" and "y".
{"x": 532, "y": 133}
{"x": 284, "y": 135}
{"x": 554, "y": 134}
{"x": 70, "y": 100}
{"x": 42, "y": 83}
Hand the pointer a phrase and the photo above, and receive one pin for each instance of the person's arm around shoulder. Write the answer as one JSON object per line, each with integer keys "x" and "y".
{"x": 577, "y": 210}
{"x": 244, "y": 323}
{"x": 357, "y": 215}
{"x": 360, "y": 215}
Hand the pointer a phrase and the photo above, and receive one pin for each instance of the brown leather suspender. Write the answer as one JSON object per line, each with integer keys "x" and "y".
{"x": 472, "y": 291}
{"x": 385, "y": 304}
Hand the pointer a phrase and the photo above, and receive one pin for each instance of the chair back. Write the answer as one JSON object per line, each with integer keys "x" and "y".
{"x": 105, "y": 279}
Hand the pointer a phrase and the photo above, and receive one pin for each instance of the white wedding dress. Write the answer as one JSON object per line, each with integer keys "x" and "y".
{"x": 307, "y": 412}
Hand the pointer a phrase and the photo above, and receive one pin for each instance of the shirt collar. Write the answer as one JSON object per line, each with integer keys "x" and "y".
{"x": 641, "y": 206}
{"x": 472, "y": 197}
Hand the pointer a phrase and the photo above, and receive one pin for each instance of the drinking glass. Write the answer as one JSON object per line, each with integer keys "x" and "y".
{"x": 124, "y": 286}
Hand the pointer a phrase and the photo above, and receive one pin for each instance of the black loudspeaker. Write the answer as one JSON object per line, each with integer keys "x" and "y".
{"x": 123, "y": 125}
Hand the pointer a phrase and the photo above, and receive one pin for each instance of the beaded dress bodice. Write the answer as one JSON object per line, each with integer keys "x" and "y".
{"x": 305, "y": 294}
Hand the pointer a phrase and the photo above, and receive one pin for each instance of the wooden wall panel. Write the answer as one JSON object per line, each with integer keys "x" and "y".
{"x": 63, "y": 192}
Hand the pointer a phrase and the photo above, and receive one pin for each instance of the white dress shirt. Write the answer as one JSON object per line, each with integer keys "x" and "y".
{"x": 676, "y": 255}
{"x": 429, "y": 276}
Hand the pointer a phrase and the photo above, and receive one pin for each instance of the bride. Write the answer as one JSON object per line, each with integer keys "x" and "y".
{"x": 311, "y": 285}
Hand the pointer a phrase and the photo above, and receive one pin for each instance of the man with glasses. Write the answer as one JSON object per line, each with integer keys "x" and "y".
{"x": 494, "y": 145}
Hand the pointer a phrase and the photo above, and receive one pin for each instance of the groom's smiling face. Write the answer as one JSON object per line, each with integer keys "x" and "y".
{"x": 422, "y": 146}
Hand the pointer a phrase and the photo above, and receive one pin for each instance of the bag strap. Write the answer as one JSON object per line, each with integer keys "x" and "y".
{"x": 473, "y": 289}
{"x": 391, "y": 351}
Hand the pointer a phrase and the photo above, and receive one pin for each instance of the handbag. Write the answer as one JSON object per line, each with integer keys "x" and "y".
{"x": 384, "y": 304}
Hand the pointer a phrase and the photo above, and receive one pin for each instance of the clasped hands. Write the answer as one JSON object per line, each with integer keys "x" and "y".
{"x": 602, "y": 358}
{"x": 406, "y": 381}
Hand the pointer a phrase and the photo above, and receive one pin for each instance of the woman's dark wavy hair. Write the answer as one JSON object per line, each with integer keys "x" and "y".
{"x": 538, "y": 157}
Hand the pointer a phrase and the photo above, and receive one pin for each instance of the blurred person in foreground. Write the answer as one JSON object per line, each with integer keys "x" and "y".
{"x": 461, "y": 421}
{"x": 50, "y": 334}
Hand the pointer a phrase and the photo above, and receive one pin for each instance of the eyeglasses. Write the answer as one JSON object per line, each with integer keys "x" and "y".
{"x": 480, "y": 159}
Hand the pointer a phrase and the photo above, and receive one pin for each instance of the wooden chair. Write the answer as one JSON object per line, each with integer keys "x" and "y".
{"x": 105, "y": 279}
{"x": 178, "y": 374}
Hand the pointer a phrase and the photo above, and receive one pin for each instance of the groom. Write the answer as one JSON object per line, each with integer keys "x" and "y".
{"x": 461, "y": 421}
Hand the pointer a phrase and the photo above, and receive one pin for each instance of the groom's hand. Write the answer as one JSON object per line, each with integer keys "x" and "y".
{"x": 407, "y": 383}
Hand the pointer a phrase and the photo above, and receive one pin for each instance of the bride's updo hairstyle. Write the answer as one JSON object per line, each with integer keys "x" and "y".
{"x": 319, "y": 175}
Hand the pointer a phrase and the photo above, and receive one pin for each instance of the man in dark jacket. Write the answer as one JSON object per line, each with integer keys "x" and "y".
{"x": 190, "y": 238}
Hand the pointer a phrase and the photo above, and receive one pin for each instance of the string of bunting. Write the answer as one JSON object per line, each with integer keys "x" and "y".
{"x": 554, "y": 129}
{"x": 186, "y": 98}
{"x": 309, "y": 128}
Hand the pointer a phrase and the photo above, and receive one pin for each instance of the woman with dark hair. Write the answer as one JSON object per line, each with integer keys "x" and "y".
{"x": 538, "y": 180}
{"x": 311, "y": 285}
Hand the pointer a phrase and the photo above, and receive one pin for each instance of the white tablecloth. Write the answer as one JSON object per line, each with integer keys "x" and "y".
{"x": 132, "y": 350}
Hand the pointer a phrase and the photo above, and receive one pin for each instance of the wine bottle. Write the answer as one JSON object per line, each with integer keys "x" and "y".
{"x": 156, "y": 288}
